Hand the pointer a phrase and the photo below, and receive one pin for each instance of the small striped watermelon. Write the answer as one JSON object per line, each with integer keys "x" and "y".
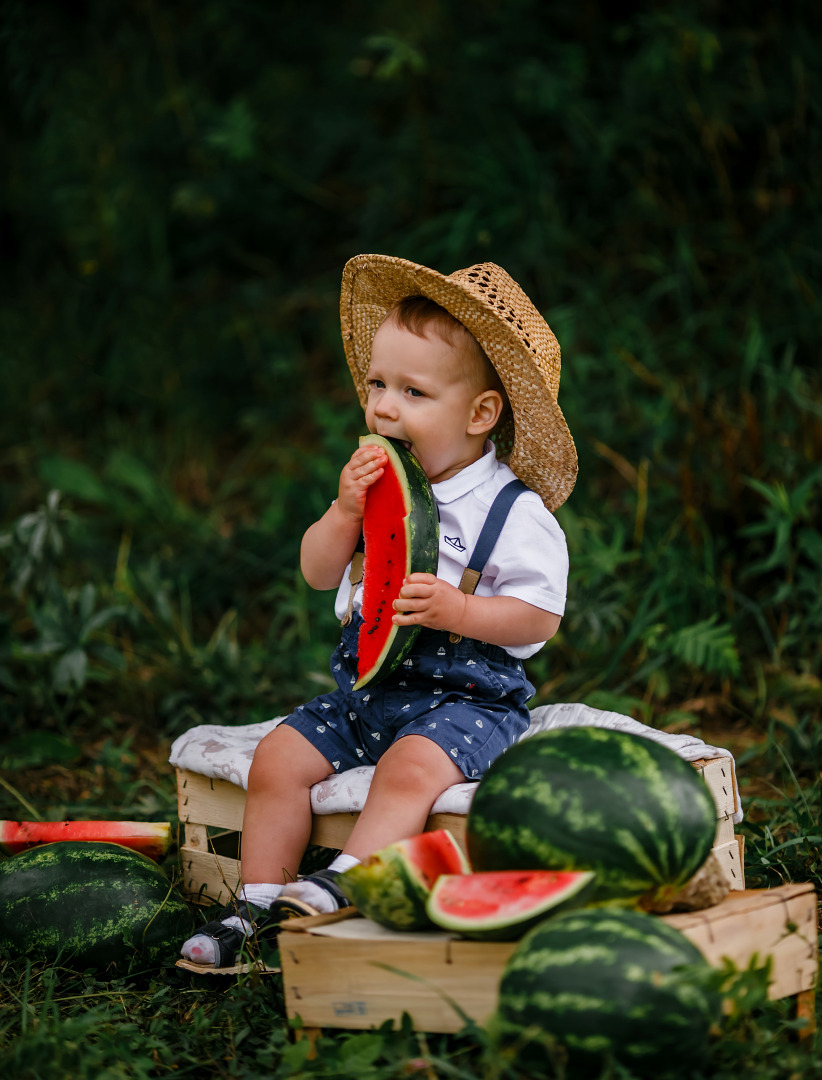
{"x": 401, "y": 533}
{"x": 501, "y": 905}
{"x": 89, "y": 904}
{"x": 392, "y": 885}
{"x": 589, "y": 798}
{"x": 605, "y": 985}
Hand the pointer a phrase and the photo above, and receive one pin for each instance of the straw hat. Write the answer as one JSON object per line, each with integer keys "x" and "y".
{"x": 513, "y": 334}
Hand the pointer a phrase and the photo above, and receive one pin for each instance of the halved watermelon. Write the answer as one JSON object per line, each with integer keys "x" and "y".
{"x": 401, "y": 531}
{"x": 392, "y": 886}
{"x": 150, "y": 838}
{"x": 501, "y": 905}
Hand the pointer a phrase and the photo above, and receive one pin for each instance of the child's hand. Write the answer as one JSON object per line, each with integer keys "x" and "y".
{"x": 366, "y": 466}
{"x": 429, "y": 601}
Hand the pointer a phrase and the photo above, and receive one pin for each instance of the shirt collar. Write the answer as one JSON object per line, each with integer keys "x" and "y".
{"x": 468, "y": 478}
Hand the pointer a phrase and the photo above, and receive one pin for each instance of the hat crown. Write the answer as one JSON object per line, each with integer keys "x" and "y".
{"x": 508, "y": 304}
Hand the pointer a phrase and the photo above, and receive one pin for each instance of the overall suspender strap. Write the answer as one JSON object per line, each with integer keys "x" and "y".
{"x": 489, "y": 534}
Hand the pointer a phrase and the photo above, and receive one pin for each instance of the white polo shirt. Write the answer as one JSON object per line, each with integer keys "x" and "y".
{"x": 529, "y": 560}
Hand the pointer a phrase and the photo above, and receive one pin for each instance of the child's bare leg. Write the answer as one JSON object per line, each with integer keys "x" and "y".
{"x": 277, "y": 817}
{"x": 407, "y": 781}
{"x": 276, "y": 828}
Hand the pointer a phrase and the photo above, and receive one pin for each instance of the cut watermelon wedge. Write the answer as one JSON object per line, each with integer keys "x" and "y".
{"x": 500, "y": 905}
{"x": 151, "y": 838}
{"x": 392, "y": 885}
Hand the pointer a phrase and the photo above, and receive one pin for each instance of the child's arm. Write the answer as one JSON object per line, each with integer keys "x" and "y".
{"x": 499, "y": 620}
{"x": 329, "y": 543}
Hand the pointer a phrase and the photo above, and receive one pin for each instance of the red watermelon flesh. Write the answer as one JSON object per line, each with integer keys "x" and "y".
{"x": 392, "y": 885}
{"x": 401, "y": 534}
{"x": 500, "y": 905}
{"x": 384, "y": 526}
{"x": 151, "y": 838}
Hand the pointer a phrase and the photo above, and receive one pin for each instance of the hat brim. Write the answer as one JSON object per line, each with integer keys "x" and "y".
{"x": 512, "y": 333}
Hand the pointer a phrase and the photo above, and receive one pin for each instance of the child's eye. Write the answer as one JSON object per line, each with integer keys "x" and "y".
{"x": 414, "y": 392}
{"x": 376, "y": 384}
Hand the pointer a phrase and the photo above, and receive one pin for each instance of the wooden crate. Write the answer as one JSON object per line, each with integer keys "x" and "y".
{"x": 350, "y": 973}
{"x": 211, "y": 812}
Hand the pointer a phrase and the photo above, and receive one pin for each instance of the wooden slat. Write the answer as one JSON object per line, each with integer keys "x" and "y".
{"x": 340, "y": 983}
{"x": 724, "y": 831}
{"x": 203, "y": 801}
{"x": 780, "y": 923}
{"x": 352, "y": 982}
{"x": 196, "y": 836}
{"x": 731, "y": 862}
{"x": 718, "y": 774}
{"x": 208, "y": 878}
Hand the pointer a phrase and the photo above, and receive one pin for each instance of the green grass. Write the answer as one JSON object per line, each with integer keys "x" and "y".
{"x": 55, "y": 1022}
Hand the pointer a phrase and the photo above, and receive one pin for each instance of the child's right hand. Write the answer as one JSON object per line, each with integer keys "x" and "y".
{"x": 366, "y": 466}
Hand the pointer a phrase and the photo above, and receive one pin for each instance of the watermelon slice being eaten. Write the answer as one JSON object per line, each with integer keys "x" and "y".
{"x": 500, "y": 905}
{"x": 401, "y": 532}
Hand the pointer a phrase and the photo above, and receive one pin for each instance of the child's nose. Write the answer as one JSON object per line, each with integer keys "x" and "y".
{"x": 386, "y": 404}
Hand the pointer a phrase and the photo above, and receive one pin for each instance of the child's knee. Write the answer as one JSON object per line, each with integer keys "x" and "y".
{"x": 284, "y": 755}
{"x": 417, "y": 763}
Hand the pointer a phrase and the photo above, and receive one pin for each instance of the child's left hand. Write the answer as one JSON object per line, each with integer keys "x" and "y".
{"x": 427, "y": 600}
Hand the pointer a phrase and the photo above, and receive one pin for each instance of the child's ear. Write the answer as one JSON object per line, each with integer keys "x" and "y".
{"x": 486, "y": 409}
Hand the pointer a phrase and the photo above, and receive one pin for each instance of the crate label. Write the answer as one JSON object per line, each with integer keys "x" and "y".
{"x": 350, "y": 1008}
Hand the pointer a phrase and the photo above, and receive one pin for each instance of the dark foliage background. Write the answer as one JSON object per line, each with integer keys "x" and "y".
{"x": 183, "y": 184}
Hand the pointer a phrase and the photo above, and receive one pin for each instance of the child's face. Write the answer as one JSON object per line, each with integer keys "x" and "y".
{"x": 420, "y": 391}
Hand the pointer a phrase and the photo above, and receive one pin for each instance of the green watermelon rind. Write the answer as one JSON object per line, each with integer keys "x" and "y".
{"x": 589, "y": 798}
{"x": 387, "y": 889}
{"x": 421, "y": 545}
{"x": 89, "y": 904}
{"x": 513, "y": 925}
{"x": 609, "y": 983}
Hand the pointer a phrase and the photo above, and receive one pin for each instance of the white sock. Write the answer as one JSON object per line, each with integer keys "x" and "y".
{"x": 261, "y": 894}
{"x": 201, "y": 949}
{"x": 315, "y": 895}
{"x": 344, "y": 862}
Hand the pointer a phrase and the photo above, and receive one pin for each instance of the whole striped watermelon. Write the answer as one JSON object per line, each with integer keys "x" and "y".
{"x": 604, "y": 985}
{"x": 589, "y": 798}
{"x": 89, "y": 904}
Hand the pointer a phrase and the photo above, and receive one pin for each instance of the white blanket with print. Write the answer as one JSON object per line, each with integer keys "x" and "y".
{"x": 225, "y": 753}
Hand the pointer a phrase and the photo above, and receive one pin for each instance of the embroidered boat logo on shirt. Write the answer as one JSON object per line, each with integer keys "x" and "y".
{"x": 454, "y": 542}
